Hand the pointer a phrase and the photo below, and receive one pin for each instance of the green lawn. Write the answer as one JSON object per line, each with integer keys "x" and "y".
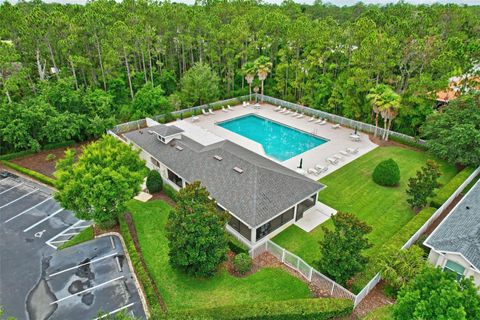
{"x": 84, "y": 236}
{"x": 351, "y": 189}
{"x": 181, "y": 291}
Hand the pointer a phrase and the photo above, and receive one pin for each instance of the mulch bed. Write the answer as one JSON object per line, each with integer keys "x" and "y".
{"x": 133, "y": 233}
{"x": 442, "y": 216}
{"x": 98, "y": 232}
{"x": 374, "y": 300}
{"x": 162, "y": 196}
{"x": 38, "y": 163}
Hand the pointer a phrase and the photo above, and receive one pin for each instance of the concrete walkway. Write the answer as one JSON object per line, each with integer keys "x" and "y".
{"x": 315, "y": 216}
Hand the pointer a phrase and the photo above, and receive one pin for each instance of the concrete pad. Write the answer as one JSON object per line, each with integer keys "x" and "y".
{"x": 315, "y": 216}
{"x": 143, "y": 196}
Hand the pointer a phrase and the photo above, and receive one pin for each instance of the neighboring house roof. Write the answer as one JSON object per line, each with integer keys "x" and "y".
{"x": 164, "y": 130}
{"x": 460, "y": 231}
{"x": 263, "y": 190}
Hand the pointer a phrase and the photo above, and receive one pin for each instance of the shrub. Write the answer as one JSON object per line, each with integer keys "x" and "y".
{"x": 50, "y": 157}
{"x": 154, "y": 181}
{"x": 15, "y": 155}
{"x": 448, "y": 189}
{"x": 236, "y": 246}
{"x": 36, "y": 175}
{"x": 387, "y": 173}
{"x": 170, "y": 192}
{"x": 242, "y": 263}
{"x": 318, "y": 309}
{"x": 56, "y": 145}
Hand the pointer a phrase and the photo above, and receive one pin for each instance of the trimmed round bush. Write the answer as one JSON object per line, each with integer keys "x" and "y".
{"x": 154, "y": 181}
{"x": 387, "y": 173}
{"x": 242, "y": 263}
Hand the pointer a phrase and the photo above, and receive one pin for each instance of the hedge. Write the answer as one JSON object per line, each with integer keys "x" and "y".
{"x": 15, "y": 155}
{"x": 36, "y": 175}
{"x": 397, "y": 241}
{"x": 170, "y": 192}
{"x": 140, "y": 271}
{"x": 447, "y": 190}
{"x": 236, "y": 246}
{"x": 315, "y": 308}
{"x": 56, "y": 145}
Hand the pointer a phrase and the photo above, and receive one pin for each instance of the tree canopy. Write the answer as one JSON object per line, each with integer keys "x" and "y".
{"x": 96, "y": 187}
{"x": 196, "y": 232}
{"x": 435, "y": 294}
{"x": 321, "y": 55}
{"x": 454, "y": 134}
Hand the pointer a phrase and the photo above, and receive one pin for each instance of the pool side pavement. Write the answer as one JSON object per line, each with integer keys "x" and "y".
{"x": 339, "y": 139}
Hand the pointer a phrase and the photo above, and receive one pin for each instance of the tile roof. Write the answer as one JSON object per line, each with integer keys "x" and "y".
{"x": 264, "y": 188}
{"x": 460, "y": 231}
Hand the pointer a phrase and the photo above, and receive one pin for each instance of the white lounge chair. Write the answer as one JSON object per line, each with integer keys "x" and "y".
{"x": 319, "y": 120}
{"x": 195, "y": 118}
{"x": 205, "y": 113}
{"x": 210, "y": 111}
{"x": 324, "y": 122}
{"x": 313, "y": 171}
{"x": 321, "y": 168}
{"x": 288, "y": 112}
{"x": 301, "y": 171}
{"x": 277, "y": 108}
{"x": 224, "y": 110}
{"x": 295, "y": 114}
{"x": 283, "y": 110}
{"x": 332, "y": 161}
{"x": 344, "y": 153}
{"x": 352, "y": 150}
{"x": 311, "y": 119}
{"x": 336, "y": 126}
{"x": 337, "y": 156}
{"x": 299, "y": 116}
{"x": 229, "y": 108}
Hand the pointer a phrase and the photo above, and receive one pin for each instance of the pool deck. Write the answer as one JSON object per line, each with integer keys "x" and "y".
{"x": 205, "y": 131}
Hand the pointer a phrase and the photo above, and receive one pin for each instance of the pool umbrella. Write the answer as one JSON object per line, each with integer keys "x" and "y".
{"x": 301, "y": 163}
{"x": 355, "y": 129}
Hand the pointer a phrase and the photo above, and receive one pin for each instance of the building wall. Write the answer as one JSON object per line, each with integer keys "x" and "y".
{"x": 439, "y": 260}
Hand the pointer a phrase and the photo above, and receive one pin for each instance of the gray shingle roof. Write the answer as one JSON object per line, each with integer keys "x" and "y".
{"x": 164, "y": 130}
{"x": 460, "y": 231}
{"x": 263, "y": 190}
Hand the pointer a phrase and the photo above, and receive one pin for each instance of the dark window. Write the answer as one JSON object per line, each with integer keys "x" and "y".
{"x": 241, "y": 228}
{"x": 174, "y": 178}
{"x": 276, "y": 223}
{"x": 305, "y": 205}
{"x": 155, "y": 162}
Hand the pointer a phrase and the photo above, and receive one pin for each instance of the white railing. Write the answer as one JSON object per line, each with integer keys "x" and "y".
{"x": 440, "y": 210}
{"x": 321, "y": 281}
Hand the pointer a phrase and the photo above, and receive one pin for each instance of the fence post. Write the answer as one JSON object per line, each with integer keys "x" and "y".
{"x": 298, "y": 263}
{"x": 283, "y": 255}
{"x": 310, "y": 275}
{"x": 333, "y": 286}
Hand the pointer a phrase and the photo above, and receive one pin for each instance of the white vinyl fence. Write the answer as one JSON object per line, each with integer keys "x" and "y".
{"x": 321, "y": 281}
{"x": 326, "y": 284}
{"x": 439, "y": 211}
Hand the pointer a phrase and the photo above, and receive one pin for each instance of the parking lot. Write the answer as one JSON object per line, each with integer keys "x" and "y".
{"x": 39, "y": 282}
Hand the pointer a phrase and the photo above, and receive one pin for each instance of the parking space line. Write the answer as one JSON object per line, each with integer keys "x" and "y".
{"x": 25, "y": 211}
{"x": 25, "y": 195}
{"x": 43, "y": 220}
{"x": 17, "y": 185}
{"x": 115, "y": 311}
{"x": 83, "y": 264}
{"x": 6, "y": 179}
{"x": 69, "y": 234}
{"x": 87, "y": 290}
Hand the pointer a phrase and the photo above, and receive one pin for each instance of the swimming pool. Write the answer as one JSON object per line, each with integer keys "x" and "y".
{"x": 279, "y": 141}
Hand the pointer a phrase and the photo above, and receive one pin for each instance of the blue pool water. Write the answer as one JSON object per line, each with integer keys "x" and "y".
{"x": 279, "y": 141}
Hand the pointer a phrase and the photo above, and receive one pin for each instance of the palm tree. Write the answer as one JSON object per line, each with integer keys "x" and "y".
{"x": 391, "y": 108}
{"x": 263, "y": 67}
{"x": 376, "y": 100}
{"x": 249, "y": 71}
